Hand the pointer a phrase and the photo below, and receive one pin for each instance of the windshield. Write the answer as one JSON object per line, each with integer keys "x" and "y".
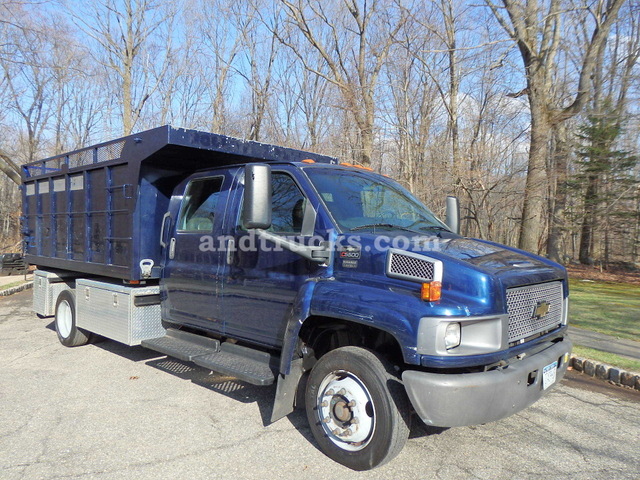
{"x": 361, "y": 201}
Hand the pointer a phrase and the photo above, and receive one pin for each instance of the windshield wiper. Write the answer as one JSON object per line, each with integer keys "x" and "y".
{"x": 435, "y": 227}
{"x": 383, "y": 225}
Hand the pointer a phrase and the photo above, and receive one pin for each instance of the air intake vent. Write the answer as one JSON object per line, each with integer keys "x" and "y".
{"x": 413, "y": 267}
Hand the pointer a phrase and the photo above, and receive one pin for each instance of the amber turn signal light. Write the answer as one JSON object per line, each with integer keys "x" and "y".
{"x": 431, "y": 292}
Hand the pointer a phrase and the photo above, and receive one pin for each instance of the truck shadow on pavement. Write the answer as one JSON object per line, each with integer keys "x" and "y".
{"x": 223, "y": 384}
{"x": 235, "y": 389}
{"x": 231, "y": 387}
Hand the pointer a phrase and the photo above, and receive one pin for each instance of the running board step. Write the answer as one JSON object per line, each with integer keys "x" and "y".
{"x": 182, "y": 345}
{"x": 246, "y": 364}
{"x": 252, "y": 366}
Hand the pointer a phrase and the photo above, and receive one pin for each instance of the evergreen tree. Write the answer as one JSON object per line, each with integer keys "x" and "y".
{"x": 606, "y": 178}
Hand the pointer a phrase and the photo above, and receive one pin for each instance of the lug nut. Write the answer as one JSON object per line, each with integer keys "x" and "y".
{"x": 352, "y": 403}
{"x": 329, "y": 393}
{"x": 326, "y": 419}
{"x": 355, "y": 421}
{"x": 342, "y": 391}
{"x": 324, "y": 404}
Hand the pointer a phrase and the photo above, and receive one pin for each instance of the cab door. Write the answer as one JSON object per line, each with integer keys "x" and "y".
{"x": 260, "y": 280}
{"x": 191, "y": 283}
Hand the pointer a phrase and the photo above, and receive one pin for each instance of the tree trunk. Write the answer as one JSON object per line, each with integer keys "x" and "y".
{"x": 366, "y": 133}
{"x": 635, "y": 255}
{"x": 533, "y": 211}
{"x": 454, "y": 89}
{"x": 557, "y": 220}
{"x": 10, "y": 169}
{"x": 589, "y": 221}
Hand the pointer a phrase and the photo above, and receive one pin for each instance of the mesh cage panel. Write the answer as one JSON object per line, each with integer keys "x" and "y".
{"x": 405, "y": 266}
{"x": 526, "y": 304}
{"x": 112, "y": 151}
{"x": 84, "y": 157}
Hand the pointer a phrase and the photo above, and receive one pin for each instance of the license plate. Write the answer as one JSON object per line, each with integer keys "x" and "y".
{"x": 549, "y": 375}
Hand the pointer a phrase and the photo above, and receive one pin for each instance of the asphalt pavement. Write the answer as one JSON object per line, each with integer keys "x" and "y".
{"x": 107, "y": 411}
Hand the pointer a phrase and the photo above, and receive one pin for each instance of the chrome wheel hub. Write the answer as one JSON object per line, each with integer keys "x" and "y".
{"x": 64, "y": 319}
{"x": 346, "y": 410}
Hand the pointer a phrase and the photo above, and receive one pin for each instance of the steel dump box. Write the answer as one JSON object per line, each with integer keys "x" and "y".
{"x": 99, "y": 210}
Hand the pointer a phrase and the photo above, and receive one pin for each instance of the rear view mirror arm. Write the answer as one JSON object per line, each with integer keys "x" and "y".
{"x": 315, "y": 253}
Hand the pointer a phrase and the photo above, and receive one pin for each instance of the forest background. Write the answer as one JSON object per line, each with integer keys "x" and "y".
{"x": 529, "y": 112}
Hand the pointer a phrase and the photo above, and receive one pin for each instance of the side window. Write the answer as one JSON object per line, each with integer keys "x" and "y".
{"x": 288, "y": 205}
{"x": 199, "y": 205}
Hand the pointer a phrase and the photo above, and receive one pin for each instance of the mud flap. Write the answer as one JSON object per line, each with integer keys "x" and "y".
{"x": 284, "y": 402}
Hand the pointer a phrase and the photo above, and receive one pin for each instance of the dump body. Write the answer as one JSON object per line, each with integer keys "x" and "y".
{"x": 99, "y": 210}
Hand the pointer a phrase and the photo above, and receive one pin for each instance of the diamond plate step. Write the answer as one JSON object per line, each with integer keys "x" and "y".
{"x": 251, "y": 366}
{"x": 182, "y": 345}
{"x": 247, "y": 364}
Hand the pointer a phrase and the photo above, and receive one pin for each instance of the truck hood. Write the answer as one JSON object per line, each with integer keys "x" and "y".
{"x": 486, "y": 256}
{"x": 476, "y": 273}
{"x": 510, "y": 266}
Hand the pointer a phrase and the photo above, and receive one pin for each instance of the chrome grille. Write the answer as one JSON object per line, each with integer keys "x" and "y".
{"x": 522, "y": 304}
{"x": 410, "y": 267}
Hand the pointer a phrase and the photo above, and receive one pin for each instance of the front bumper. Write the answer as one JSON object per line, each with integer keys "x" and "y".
{"x": 454, "y": 400}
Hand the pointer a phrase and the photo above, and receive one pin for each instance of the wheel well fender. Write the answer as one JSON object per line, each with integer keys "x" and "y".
{"x": 323, "y": 306}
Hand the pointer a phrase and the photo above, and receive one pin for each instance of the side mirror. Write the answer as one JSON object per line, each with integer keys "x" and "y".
{"x": 453, "y": 214}
{"x": 256, "y": 211}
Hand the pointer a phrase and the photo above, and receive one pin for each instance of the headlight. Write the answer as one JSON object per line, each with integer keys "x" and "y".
{"x": 452, "y": 336}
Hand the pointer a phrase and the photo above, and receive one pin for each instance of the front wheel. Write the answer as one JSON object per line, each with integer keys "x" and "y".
{"x": 357, "y": 408}
{"x": 65, "y": 319}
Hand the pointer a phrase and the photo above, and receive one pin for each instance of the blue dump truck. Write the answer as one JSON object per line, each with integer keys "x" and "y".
{"x": 284, "y": 267}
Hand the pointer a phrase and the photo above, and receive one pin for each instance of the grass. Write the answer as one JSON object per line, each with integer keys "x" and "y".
{"x": 13, "y": 284}
{"x": 609, "y": 308}
{"x": 604, "y": 307}
{"x": 609, "y": 358}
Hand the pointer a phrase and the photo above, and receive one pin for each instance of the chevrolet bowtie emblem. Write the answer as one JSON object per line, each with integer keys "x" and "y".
{"x": 542, "y": 308}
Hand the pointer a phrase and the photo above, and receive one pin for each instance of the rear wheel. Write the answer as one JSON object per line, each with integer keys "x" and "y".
{"x": 65, "y": 319}
{"x": 357, "y": 408}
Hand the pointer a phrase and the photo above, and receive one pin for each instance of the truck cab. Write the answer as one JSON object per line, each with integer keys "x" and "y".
{"x": 332, "y": 281}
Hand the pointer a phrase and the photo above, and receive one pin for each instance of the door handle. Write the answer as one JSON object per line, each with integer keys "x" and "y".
{"x": 231, "y": 248}
{"x": 172, "y": 248}
{"x": 163, "y": 244}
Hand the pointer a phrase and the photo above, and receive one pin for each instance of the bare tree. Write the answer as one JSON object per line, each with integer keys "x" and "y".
{"x": 354, "y": 39}
{"x": 413, "y": 109}
{"x": 259, "y": 52}
{"x": 28, "y": 77}
{"x": 217, "y": 48}
{"x": 445, "y": 22}
{"x": 314, "y": 92}
{"x": 123, "y": 32}
{"x": 536, "y": 28}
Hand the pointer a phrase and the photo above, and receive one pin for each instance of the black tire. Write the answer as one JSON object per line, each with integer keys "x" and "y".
{"x": 65, "y": 320}
{"x": 357, "y": 408}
